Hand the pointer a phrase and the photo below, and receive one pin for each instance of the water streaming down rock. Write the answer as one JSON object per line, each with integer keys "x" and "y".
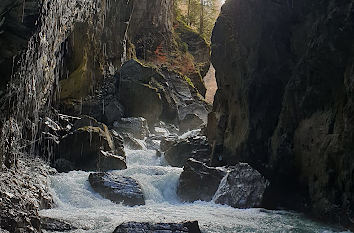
{"x": 33, "y": 86}
{"x": 86, "y": 210}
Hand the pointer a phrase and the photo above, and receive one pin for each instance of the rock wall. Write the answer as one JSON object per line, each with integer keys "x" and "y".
{"x": 285, "y": 100}
{"x": 17, "y": 24}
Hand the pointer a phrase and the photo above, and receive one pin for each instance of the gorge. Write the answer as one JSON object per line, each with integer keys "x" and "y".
{"x": 108, "y": 126}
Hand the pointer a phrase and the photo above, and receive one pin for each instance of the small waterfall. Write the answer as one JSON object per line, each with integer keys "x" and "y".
{"x": 78, "y": 204}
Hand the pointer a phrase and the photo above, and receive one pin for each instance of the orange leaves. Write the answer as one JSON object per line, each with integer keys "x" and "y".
{"x": 161, "y": 56}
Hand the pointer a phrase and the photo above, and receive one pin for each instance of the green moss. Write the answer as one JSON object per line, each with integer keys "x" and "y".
{"x": 78, "y": 84}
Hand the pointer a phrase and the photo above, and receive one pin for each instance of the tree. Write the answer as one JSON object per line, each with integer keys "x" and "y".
{"x": 199, "y": 14}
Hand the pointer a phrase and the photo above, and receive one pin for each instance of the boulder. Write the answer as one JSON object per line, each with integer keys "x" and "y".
{"x": 57, "y": 225}
{"x": 108, "y": 161}
{"x": 63, "y": 165}
{"x": 82, "y": 147}
{"x": 182, "y": 149}
{"x": 137, "y": 95}
{"x": 118, "y": 142}
{"x": 157, "y": 94}
{"x": 131, "y": 143}
{"x": 197, "y": 108}
{"x": 152, "y": 144}
{"x": 118, "y": 189}
{"x": 198, "y": 181}
{"x": 167, "y": 142}
{"x": 136, "y": 227}
{"x": 190, "y": 122}
{"x": 135, "y": 126}
{"x": 242, "y": 187}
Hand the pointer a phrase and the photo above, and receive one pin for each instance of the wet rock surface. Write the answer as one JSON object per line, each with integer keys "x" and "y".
{"x": 285, "y": 99}
{"x": 90, "y": 146}
{"x": 135, "y": 227}
{"x": 56, "y": 225}
{"x": 17, "y": 25}
{"x": 242, "y": 187}
{"x": 198, "y": 181}
{"x": 179, "y": 150}
{"x": 118, "y": 189}
{"x": 136, "y": 127}
{"x": 108, "y": 161}
{"x": 23, "y": 192}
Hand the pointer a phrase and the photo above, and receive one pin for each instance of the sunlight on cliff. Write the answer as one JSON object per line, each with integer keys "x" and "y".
{"x": 211, "y": 85}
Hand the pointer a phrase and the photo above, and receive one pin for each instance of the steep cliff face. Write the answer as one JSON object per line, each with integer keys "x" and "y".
{"x": 145, "y": 30}
{"x": 17, "y": 24}
{"x": 285, "y": 98}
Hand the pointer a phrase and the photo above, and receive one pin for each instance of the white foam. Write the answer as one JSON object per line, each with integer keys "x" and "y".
{"x": 78, "y": 204}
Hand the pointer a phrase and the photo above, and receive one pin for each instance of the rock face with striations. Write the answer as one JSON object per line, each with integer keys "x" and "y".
{"x": 157, "y": 94}
{"x": 242, "y": 187}
{"x": 285, "y": 101}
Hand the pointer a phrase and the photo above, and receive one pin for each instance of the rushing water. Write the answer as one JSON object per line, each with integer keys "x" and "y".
{"x": 78, "y": 204}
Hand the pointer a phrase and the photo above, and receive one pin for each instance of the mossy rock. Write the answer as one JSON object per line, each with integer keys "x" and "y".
{"x": 78, "y": 84}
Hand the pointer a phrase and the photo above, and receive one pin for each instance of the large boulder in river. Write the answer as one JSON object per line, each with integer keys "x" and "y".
{"x": 135, "y": 126}
{"x": 198, "y": 181}
{"x": 108, "y": 161}
{"x": 178, "y": 151}
{"x": 138, "y": 227}
{"x": 119, "y": 189}
{"x": 83, "y": 147}
{"x": 242, "y": 187}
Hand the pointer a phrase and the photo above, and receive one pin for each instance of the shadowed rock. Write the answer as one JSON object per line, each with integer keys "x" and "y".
{"x": 135, "y": 126}
{"x": 136, "y": 227}
{"x": 180, "y": 150}
{"x": 198, "y": 181}
{"x": 108, "y": 161}
{"x": 242, "y": 187}
{"x": 51, "y": 224}
{"x": 118, "y": 189}
{"x": 91, "y": 146}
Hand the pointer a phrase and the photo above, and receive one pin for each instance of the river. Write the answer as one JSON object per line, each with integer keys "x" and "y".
{"x": 78, "y": 204}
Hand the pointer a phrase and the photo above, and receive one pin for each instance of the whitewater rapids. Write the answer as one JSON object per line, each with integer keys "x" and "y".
{"x": 78, "y": 204}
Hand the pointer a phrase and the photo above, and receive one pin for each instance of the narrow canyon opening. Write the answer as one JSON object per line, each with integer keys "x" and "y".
{"x": 109, "y": 121}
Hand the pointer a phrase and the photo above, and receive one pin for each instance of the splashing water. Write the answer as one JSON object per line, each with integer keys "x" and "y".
{"x": 87, "y": 210}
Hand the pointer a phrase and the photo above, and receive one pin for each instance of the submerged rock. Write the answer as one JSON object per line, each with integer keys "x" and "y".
{"x": 198, "y": 181}
{"x": 119, "y": 189}
{"x": 136, "y": 227}
{"x": 242, "y": 187}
